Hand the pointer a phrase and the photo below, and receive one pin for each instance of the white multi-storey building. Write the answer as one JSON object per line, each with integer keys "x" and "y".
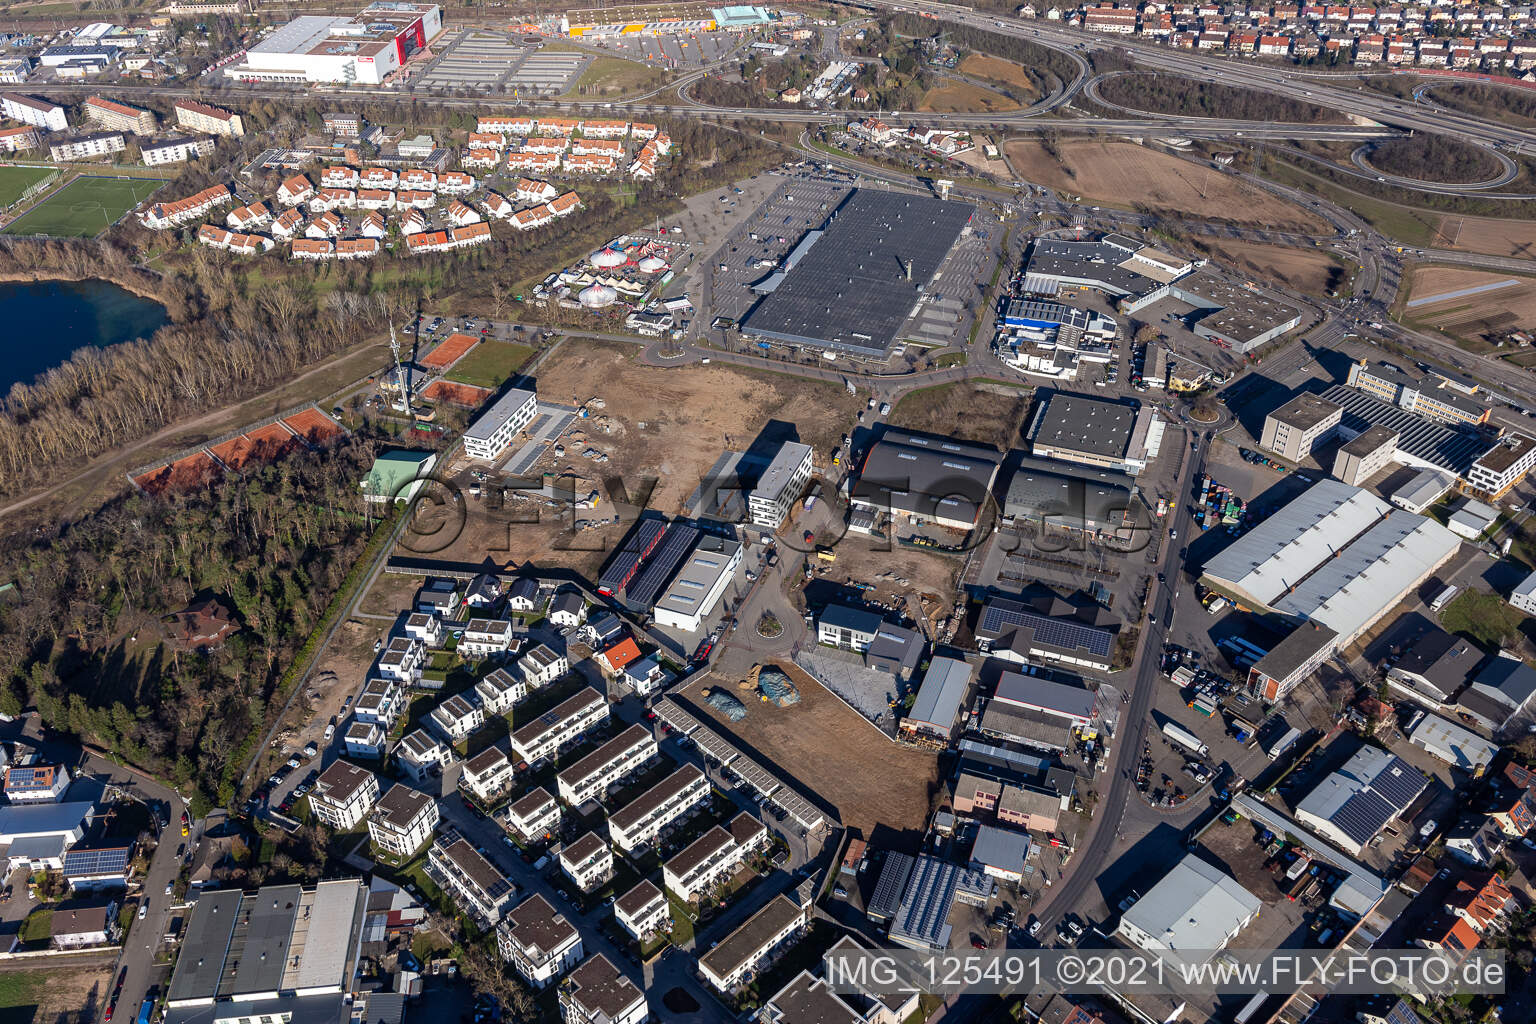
{"x": 617, "y": 759}
{"x": 381, "y": 701}
{"x": 535, "y": 816}
{"x": 490, "y": 434}
{"x": 487, "y": 775}
{"x": 640, "y": 821}
{"x": 457, "y": 717}
{"x": 538, "y": 941}
{"x": 402, "y": 821}
{"x": 1503, "y": 466}
{"x": 588, "y": 861}
{"x": 343, "y": 795}
{"x": 596, "y": 993}
{"x": 713, "y": 857}
{"x": 426, "y": 627}
{"x": 422, "y": 755}
{"x": 403, "y": 658}
{"x": 759, "y": 939}
{"x": 364, "y": 739}
{"x": 200, "y": 117}
{"x": 477, "y": 888}
{"x": 643, "y": 912}
{"x": 83, "y": 147}
{"x": 561, "y": 726}
{"x": 500, "y": 690}
{"x": 541, "y": 665}
{"x": 175, "y": 151}
{"x": 33, "y": 111}
{"x": 780, "y": 483}
{"x": 365, "y": 49}
{"x": 485, "y": 637}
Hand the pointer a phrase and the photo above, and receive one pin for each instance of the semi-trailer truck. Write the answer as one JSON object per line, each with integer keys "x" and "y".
{"x": 1183, "y": 737}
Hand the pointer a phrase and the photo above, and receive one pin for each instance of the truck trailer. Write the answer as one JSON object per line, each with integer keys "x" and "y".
{"x": 1183, "y": 737}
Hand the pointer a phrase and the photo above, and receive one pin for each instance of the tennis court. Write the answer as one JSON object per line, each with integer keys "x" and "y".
{"x": 14, "y": 181}
{"x": 314, "y": 426}
{"x": 85, "y": 207}
{"x": 449, "y": 351}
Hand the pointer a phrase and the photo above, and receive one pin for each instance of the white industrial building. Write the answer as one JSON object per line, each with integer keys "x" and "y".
{"x": 1194, "y": 907}
{"x": 771, "y": 497}
{"x": 361, "y": 50}
{"x": 494, "y": 429}
{"x": 698, "y": 587}
{"x": 1335, "y": 554}
{"x": 1454, "y": 744}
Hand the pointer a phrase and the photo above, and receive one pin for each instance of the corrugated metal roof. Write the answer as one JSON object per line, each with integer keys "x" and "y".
{"x": 943, "y": 690}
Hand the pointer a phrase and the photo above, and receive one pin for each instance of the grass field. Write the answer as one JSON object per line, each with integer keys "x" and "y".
{"x": 1442, "y": 301}
{"x": 963, "y": 97}
{"x": 16, "y": 180}
{"x": 84, "y": 207}
{"x": 1485, "y": 618}
{"x": 63, "y": 993}
{"x": 490, "y": 363}
{"x": 610, "y": 76}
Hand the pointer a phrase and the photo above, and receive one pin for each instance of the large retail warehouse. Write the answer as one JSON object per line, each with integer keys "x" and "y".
{"x": 862, "y": 276}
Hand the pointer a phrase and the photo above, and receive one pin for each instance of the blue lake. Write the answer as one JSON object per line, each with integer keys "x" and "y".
{"x": 46, "y": 321}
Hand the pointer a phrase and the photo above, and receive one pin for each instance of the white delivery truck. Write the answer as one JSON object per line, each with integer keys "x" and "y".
{"x": 1183, "y": 737}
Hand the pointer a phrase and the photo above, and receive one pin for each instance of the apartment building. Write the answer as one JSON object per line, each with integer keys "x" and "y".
{"x": 643, "y": 912}
{"x": 535, "y": 816}
{"x": 402, "y": 822}
{"x": 487, "y": 775}
{"x": 119, "y": 117}
{"x": 403, "y": 659}
{"x": 538, "y": 941}
{"x": 639, "y": 822}
{"x": 755, "y": 944}
{"x": 364, "y": 739}
{"x": 343, "y": 795}
{"x": 596, "y": 993}
{"x": 33, "y": 111}
{"x": 19, "y": 140}
{"x": 201, "y": 117}
{"x": 588, "y": 861}
{"x": 381, "y": 701}
{"x": 484, "y": 638}
{"x": 713, "y": 857}
{"x": 493, "y": 430}
{"x": 778, "y": 486}
{"x": 426, "y": 627}
{"x": 175, "y": 151}
{"x": 541, "y": 665}
{"x": 500, "y": 690}
{"x": 422, "y": 755}
{"x": 457, "y": 717}
{"x": 1503, "y": 466}
{"x": 473, "y": 883}
{"x": 560, "y": 726}
{"x": 85, "y": 147}
{"x": 617, "y": 759}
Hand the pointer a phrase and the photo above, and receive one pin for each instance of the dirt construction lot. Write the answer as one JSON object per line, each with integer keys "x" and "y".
{"x": 1127, "y": 175}
{"x": 1311, "y": 271}
{"x": 61, "y": 994}
{"x": 1483, "y": 315}
{"x": 1489, "y": 235}
{"x": 828, "y": 749}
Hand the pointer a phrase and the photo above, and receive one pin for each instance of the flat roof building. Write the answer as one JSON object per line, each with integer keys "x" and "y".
{"x": 597, "y": 993}
{"x": 757, "y": 941}
{"x": 856, "y": 287}
{"x": 1121, "y": 436}
{"x": 1194, "y": 907}
{"x": 363, "y": 50}
{"x": 699, "y": 584}
{"x": 1299, "y": 426}
{"x": 773, "y": 493}
{"x": 493, "y": 430}
{"x": 1367, "y": 454}
{"x": 1421, "y": 443}
{"x": 924, "y": 478}
{"x": 1080, "y": 499}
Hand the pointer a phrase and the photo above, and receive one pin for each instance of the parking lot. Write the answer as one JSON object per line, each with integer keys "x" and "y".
{"x": 496, "y": 62}
{"x": 679, "y": 51}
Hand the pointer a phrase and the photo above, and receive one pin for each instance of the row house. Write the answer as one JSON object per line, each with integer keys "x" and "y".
{"x": 297, "y": 189}
{"x": 1399, "y": 52}
{"x": 362, "y": 248}
{"x": 754, "y": 945}
{"x": 538, "y": 941}
{"x": 639, "y": 822}
{"x": 561, "y": 726}
{"x": 288, "y": 223}
{"x": 372, "y": 225}
{"x": 461, "y": 214}
{"x": 531, "y": 190}
{"x": 375, "y": 199}
{"x": 618, "y": 759}
{"x": 545, "y": 144}
{"x": 183, "y": 211}
{"x": 1515, "y": 812}
{"x": 1275, "y": 46}
{"x": 485, "y": 637}
{"x": 562, "y": 126}
{"x": 496, "y": 205}
{"x": 419, "y": 179}
{"x": 457, "y": 717}
{"x": 243, "y": 245}
{"x": 500, "y": 690}
{"x": 312, "y": 249}
{"x": 505, "y": 125}
{"x": 604, "y": 129}
{"x": 455, "y": 183}
{"x": 714, "y": 857}
{"x": 480, "y": 159}
{"x": 596, "y": 993}
{"x": 447, "y": 241}
{"x": 643, "y": 912}
{"x": 330, "y": 199}
{"x": 404, "y": 656}
{"x": 413, "y": 222}
{"x": 343, "y": 795}
{"x": 486, "y": 140}
{"x": 379, "y": 178}
{"x": 536, "y": 163}
{"x": 587, "y": 862}
{"x": 642, "y": 131}
{"x": 533, "y": 217}
{"x": 477, "y": 888}
{"x": 422, "y": 755}
{"x": 327, "y": 225}
{"x": 535, "y": 816}
{"x": 364, "y": 739}
{"x": 598, "y": 147}
{"x": 339, "y": 177}
{"x": 247, "y": 217}
{"x": 487, "y": 775}
{"x": 1481, "y": 900}
{"x": 402, "y": 822}
{"x": 1117, "y": 20}
{"x": 594, "y": 164}
{"x": 415, "y": 199}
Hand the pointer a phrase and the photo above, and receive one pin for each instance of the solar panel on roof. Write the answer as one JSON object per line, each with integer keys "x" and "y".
{"x": 108, "y": 861}
{"x": 669, "y": 554}
{"x": 1062, "y": 633}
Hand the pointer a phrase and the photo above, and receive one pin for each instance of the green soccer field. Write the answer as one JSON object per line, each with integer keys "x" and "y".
{"x": 16, "y": 180}
{"x": 84, "y": 207}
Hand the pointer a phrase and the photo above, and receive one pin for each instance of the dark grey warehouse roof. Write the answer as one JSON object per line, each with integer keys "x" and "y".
{"x": 851, "y": 290}
{"x": 1067, "y": 495}
{"x": 927, "y": 476}
{"x": 1083, "y": 423}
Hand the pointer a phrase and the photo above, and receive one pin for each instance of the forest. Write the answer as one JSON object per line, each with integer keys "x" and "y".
{"x": 1433, "y": 158}
{"x": 1172, "y": 94}
{"x": 80, "y": 638}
